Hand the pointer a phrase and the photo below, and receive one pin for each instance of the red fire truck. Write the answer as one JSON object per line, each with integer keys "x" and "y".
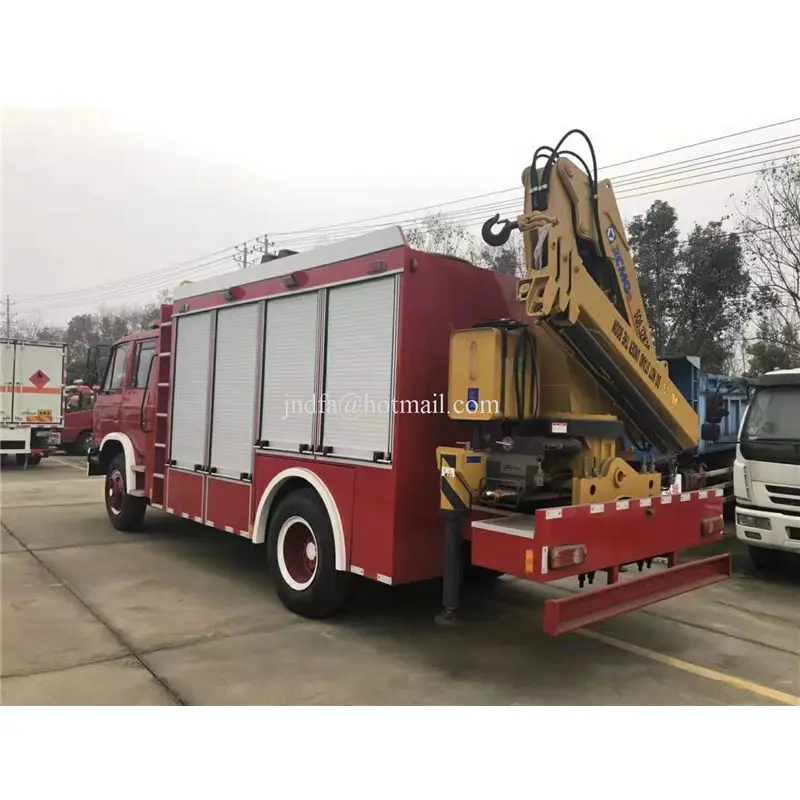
{"x": 307, "y": 403}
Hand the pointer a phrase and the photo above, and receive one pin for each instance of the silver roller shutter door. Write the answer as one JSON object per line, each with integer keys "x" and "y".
{"x": 290, "y": 353}
{"x": 359, "y": 368}
{"x": 235, "y": 375}
{"x": 190, "y": 390}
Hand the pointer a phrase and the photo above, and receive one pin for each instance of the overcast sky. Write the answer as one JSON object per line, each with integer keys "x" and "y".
{"x": 192, "y": 133}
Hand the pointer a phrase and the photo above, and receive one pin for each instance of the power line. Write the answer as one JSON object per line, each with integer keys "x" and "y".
{"x": 707, "y": 141}
{"x": 162, "y": 277}
{"x": 630, "y": 183}
{"x": 517, "y": 188}
{"x": 463, "y": 216}
{"x": 783, "y": 140}
{"x": 137, "y": 278}
{"x": 477, "y": 213}
{"x": 760, "y": 153}
{"x": 131, "y": 286}
{"x": 114, "y": 286}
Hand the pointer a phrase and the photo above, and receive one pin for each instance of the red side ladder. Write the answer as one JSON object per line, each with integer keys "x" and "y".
{"x": 161, "y": 433}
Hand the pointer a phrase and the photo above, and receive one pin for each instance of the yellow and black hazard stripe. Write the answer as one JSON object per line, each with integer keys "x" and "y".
{"x": 455, "y": 493}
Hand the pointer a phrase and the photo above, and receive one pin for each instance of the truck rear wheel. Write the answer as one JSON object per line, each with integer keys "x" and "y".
{"x": 764, "y": 558}
{"x": 29, "y": 460}
{"x": 302, "y": 557}
{"x": 83, "y": 443}
{"x": 125, "y": 512}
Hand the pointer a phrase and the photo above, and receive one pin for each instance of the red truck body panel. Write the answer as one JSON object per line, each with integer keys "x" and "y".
{"x": 386, "y": 516}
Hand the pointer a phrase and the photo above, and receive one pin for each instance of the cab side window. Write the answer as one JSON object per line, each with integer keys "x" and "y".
{"x": 145, "y": 351}
{"x": 118, "y": 368}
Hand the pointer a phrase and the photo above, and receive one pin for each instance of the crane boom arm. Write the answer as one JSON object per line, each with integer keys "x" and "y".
{"x": 581, "y": 283}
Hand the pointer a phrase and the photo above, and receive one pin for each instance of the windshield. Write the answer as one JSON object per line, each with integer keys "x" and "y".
{"x": 774, "y": 415}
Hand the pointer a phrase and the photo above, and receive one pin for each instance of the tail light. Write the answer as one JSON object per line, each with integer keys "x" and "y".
{"x": 565, "y": 556}
{"x": 711, "y": 527}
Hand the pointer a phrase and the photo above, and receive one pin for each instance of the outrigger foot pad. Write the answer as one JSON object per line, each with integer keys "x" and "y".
{"x": 447, "y": 618}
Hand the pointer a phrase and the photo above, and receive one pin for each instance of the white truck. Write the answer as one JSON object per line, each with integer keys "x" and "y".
{"x": 32, "y": 382}
{"x": 766, "y": 472}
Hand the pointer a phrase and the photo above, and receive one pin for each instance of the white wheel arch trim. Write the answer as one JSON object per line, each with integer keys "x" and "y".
{"x": 130, "y": 455}
{"x": 265, "y": 504}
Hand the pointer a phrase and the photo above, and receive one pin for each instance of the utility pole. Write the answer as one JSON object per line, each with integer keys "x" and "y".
{"x": 241, "y": 255}
{"x": 261, "y": 245}
{"x": 8, "y": 318}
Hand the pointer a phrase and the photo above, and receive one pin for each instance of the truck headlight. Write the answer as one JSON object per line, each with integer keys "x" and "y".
{"x": 750, "y": 521}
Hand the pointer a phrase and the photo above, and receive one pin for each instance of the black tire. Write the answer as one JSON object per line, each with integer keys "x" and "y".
{"x": 309, "y": 587}
{"x": 764, "y": 558}
{"x": 32, "y": 461}
{"x": 82, "y": 444}
{"x": 125, "y": 512}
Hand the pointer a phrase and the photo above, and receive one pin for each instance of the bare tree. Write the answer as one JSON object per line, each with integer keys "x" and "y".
{"x": 770, "y": 231}
{"x": 32, "y": 327}
{"x": 509, "y": 259}
{"x": 437, "y": 234}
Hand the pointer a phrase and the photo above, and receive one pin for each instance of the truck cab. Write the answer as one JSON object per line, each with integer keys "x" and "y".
{"x": 125, "y": 400}
{"x": 76, "y": 436}
{"x": 767, "y": 469}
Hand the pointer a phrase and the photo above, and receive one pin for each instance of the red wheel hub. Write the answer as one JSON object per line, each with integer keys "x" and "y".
{"x": 115, "y": 491}
{"x": 297, "y": 553}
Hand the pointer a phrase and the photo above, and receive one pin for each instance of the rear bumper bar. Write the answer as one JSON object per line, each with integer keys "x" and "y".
{"x": 569, "y": 613}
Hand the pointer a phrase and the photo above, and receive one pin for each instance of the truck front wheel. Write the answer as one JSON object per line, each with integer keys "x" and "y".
{"x": 302, "y": 557}
{"x": 125, "y": 512}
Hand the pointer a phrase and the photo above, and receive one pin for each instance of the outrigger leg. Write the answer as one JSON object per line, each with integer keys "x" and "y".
{"x": 453, "y": 569}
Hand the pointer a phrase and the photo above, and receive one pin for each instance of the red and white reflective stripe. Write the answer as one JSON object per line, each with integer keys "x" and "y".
{"x": 569, "y": 512}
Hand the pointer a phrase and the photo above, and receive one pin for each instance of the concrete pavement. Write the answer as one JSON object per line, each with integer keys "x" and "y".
{"x": 182, "y": 614}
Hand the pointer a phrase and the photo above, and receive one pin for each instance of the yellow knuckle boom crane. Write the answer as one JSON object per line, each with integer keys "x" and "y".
{"x": 553, "y": 400}
{"x": 595, "y": 373}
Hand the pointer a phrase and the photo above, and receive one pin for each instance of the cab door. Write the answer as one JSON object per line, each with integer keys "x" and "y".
{"x": 137, "y": 407}
{"x": 107, "y": 406}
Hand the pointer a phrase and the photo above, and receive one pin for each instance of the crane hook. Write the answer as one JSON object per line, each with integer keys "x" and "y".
{"x": 501, "y": 237}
